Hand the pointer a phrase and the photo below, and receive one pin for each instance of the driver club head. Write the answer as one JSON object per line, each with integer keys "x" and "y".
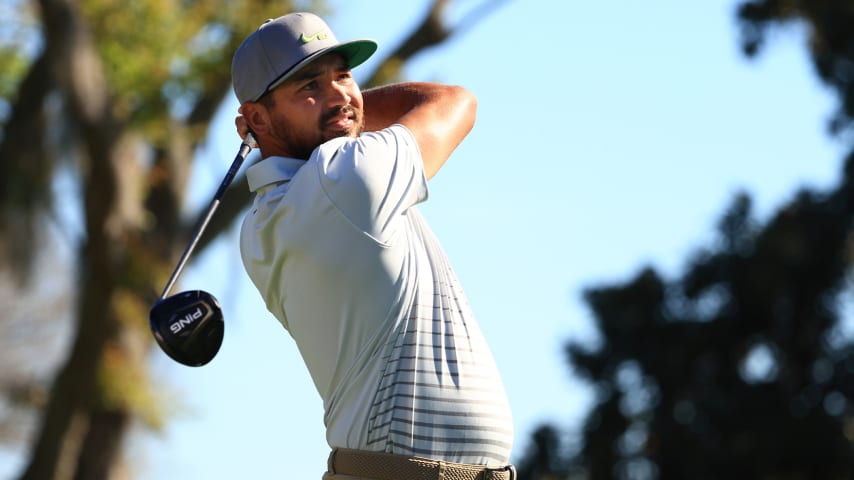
{"x": 188, "y": 326}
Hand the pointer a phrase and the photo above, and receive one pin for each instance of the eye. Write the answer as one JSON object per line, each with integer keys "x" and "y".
{"x": 312, "y": 85}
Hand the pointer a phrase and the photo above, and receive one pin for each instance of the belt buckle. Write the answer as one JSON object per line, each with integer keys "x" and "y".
{"x": 507, "y": 468}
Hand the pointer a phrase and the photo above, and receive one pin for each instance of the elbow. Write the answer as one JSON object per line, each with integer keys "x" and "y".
{"x": 467, "y": 102}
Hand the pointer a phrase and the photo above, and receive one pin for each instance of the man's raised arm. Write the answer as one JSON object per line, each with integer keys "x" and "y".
{"x": 439, "y": 116}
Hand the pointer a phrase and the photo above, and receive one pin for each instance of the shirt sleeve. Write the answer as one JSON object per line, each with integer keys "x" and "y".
{"x": 374, "y": 179}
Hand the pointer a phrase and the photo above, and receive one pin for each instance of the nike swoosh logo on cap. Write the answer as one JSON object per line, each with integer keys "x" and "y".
{"x": 317, "y": 36}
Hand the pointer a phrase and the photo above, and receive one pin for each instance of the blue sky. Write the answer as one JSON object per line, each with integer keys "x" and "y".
{"x": 610, "y": 135}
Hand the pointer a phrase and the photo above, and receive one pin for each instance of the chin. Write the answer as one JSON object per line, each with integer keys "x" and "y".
{"x": 342, "y": 133}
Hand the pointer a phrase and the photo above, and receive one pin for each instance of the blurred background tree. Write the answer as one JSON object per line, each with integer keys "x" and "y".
{"x": 743, "y": 366}
{"x": 103, "y": 105}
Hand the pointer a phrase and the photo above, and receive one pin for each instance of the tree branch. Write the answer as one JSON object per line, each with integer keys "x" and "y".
{"x": 433, "y": 30}
{"x": 25, "y": 170}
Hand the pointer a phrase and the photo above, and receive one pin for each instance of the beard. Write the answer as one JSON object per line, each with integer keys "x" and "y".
{"x": 301, "y": 142}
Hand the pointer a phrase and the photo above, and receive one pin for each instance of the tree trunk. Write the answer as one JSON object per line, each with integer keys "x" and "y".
{"x": 67, "y": 419}
{"x": 102, "y": 447}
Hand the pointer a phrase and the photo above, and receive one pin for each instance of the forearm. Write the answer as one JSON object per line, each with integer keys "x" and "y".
{"x": 385, "y": 105}
{"x": 439, "y": 116}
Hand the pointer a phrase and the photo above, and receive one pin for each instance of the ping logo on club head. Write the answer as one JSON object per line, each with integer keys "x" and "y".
{"x": 186, "y": 319}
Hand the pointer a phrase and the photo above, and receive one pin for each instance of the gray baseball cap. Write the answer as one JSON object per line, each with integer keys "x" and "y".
{"x": 280, "y": 47}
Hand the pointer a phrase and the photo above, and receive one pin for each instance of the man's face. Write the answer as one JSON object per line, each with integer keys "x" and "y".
{"x": 321, "y": 102}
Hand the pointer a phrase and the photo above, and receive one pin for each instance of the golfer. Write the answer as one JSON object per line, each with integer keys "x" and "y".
{"x": 338, "y": 250}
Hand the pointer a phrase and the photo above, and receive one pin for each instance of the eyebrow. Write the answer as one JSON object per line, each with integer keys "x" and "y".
{"x": 312, "y": 71}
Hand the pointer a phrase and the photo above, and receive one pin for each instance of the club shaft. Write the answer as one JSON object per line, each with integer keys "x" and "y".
{"x": 190, "y": 247}
{"x": 245, "y": 148}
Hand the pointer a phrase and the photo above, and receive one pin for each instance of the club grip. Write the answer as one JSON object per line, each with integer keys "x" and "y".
{"x": 248, "y": 144}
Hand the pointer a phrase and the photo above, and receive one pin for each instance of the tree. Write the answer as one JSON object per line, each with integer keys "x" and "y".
{"x": 117, "y": 96}
{"x": 739, "y": 367}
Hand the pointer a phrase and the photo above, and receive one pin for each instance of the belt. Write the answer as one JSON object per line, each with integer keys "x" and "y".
{"x": 387, "y": 466}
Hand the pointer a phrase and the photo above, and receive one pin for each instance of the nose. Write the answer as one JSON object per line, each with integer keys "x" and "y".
{"x": 337, "y": 94}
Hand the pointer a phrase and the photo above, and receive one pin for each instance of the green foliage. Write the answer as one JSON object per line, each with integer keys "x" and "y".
{"x": 19, "y": 39}
{"x": 164, "y": 57}
{"x": 743, "y": 366}
{"x": 737, "y": 369}
{"x": 13, "y": 66}
{"x": 740, "y": 368}
{"x": 830, "y": 27}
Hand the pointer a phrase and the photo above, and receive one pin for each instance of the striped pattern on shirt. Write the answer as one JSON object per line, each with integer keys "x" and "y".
{"x": 440, "y": 395}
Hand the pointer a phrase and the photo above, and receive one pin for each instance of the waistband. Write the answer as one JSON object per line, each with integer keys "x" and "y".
{"x": 388, "y": 466}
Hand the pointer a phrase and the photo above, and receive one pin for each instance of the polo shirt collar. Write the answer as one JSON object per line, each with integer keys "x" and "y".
{"x": 272, "y": 170}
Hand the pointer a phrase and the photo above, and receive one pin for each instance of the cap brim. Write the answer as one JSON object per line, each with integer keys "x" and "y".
{"x": 356, "y": 52}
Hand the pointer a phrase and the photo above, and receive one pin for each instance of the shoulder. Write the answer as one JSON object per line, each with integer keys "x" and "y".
{"x": 371, "y": 152}
{"x": 397, "y": 133}
{"x": 393, "y": 139}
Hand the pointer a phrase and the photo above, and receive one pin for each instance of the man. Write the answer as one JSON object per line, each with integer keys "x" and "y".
{"x": 343, "y": 259}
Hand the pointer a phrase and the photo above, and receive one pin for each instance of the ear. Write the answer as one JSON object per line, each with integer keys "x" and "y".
{"x": 256, "y": 117}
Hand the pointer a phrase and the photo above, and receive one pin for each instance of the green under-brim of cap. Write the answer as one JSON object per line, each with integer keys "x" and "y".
{"x": 356, "y": 52}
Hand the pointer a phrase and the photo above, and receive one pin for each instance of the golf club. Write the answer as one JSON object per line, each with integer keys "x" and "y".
{"x": 189, "y": 325}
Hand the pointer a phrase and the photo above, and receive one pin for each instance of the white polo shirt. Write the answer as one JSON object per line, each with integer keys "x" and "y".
{"x": 348, "y": 265}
